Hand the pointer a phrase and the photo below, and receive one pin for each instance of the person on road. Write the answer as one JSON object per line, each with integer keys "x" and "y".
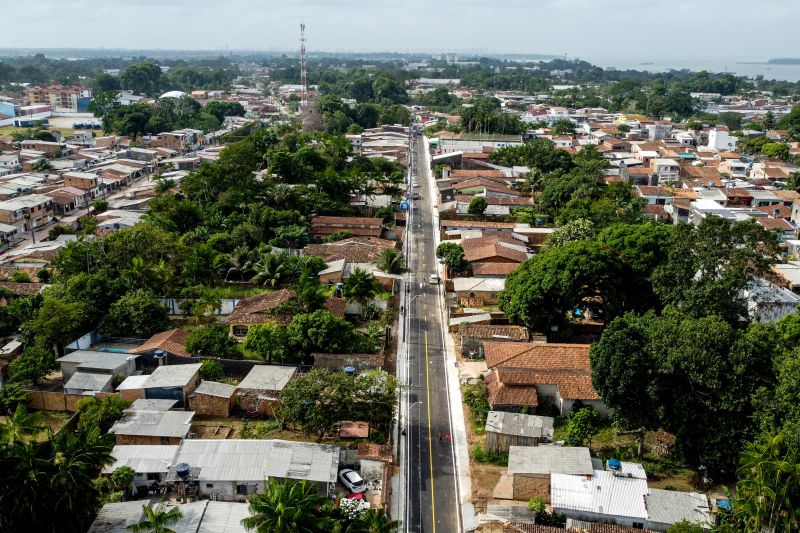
{"x": 440, "y": 436}
{"x": 447, "y": 436}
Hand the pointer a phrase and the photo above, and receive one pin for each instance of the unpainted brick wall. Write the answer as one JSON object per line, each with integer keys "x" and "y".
{"x": 205, "y": 405}
{"x": 527, "y": 486}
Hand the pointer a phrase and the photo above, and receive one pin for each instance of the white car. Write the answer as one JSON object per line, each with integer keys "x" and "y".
{"x": 433, "y": 279}
{"x": 415, "y": 184}
{"x": 352, "y": 480}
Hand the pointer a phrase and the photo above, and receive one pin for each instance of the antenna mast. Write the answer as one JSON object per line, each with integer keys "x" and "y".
{"x": 303, "y": 73}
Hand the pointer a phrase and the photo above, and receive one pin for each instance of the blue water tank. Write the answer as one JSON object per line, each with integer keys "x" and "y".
{"x": 614, "y": 464}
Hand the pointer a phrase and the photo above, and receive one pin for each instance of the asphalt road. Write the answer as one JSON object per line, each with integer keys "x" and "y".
{"x": 432, "y": 496}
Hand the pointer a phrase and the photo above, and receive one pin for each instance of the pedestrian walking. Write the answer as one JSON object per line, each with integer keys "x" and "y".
{"x": 447, "y": 436}
{"x": 440, "y": 436}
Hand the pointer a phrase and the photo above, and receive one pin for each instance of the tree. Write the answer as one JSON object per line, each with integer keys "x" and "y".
{"x": 360, "y": 287}
{"x": 211, "y": 370}
{"x": 552, "y": 283}
{"x": 122, "y": 477}
{"x": 49, "y": 485}
{"x": 373, "y": 521}
{"x": 270, "y": 269}
{"x": 11, "y": 395}
{"x": 268, "y": 341}
{"x": 707, "y": 266}
{"x": 375, "y": 396}
{"x": 317, "y": 401}
{"x": 19, "y": 426}
{"x": 575, "y": 230}
{"x": 141, "y": 78}
{"x": 157, "y": 520}
{"x": 137, "y": 314}
{"x": 213, "y": 341}
{"x": 583, "y": 425}
{"x": 103, "y": 83}
{"x": 41, "y": 165}
{"x": 323, "y": 332}
{"x": 768, "y": 491}
{"x": 453, "y": 255}
{"x": 622, "y": 129}
{"x": 33, "y": 365}
{"x": 477, "y": 206}
{"x": 391, "y": 261}
{"x": 288, "y": 506}
{"x": 94, "y": 413}
{"x": 563, "y": 127}
{"x": 776, "y": 150}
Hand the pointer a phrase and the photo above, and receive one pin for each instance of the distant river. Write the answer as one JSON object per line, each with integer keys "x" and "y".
{"x": 750, "y": 67}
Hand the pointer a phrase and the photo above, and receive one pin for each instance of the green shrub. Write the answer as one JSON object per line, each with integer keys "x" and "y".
{"x": 483, "y": 456}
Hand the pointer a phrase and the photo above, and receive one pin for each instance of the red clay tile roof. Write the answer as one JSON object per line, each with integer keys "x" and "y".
{"x": 479, "y": 331}
{"x": 493, "y": 269}
{"x": 353, "y": 430}
{"x": 477, "y": 224}
{"x": 775, "y": 223}
{"x": 375, "y": 452}
{"x": 502, "y": 394}
{"x": 653, "y": 191}
{"x": 22, "y": 289}
{"x": 563, "y": 365}
{"x": 490, "y": 246}
{"x": 486, "y": 184}
{"x": 352, "y": 250}
{"x": 458, "y": 173}
{"x": 257, "y": 309}
{"x": 498, "y": 200}
{"x": 173, "y": 342}
{"x": 358, "y": 226}
{"x": 783, "y": 211}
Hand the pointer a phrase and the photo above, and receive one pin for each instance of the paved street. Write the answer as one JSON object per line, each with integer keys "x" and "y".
{"x": 432, "y": 491}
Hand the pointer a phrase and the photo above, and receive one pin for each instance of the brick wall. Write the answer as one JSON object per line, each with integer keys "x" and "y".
{"x": 143, "y": 439}
{"x": 250, "y": 403}
{"x": 132, "y": 394}
{"x": 527, "y": 486}
{"x": 58, "y": 401}
{"x": 205, "y": 405}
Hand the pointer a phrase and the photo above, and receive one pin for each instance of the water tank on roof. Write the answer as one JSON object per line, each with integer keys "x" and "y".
{"x": 182, "y": 470}
{"x": 350, "y": 370}
{"x": 614, "y": 464}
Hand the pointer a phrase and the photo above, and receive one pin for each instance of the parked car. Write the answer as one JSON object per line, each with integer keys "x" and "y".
{"x": 433, "y": 279}
{"x": 415, "y": 184}
{"x": 352, "y": 480}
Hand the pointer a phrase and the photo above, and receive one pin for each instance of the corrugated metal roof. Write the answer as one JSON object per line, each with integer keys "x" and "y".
{"x": 116, "y": 517}
{"x": 132, "y": 382}
{"x": 171, "y": 376}
{"x": 88, "y": 382}
{"x": 224, "y": 517}
{"x": 519, "y": 424}
{"x": 267, "y": 377}
{"x": 214, "y": 388}
{"x": 603, "y": 494}
{"x": 255, "y": 460}
{"x": 671, "y": 506}
{"x": 144, "y": 459}
{"x": 549, "y": 460}
{"x": 154, "y": 423}
{"x": 100, "y": 360}
{"x": 144, "y": 404}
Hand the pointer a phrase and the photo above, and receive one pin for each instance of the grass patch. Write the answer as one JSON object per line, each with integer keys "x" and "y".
{"x": 485, "y": 457}
{"x": 476, "y": 398}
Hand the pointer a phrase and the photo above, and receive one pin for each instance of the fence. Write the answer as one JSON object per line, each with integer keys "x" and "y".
{"x": 174, "y": 305}
{"x": 58, "y": 401}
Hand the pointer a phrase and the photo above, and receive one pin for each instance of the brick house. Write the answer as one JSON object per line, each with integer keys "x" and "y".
{"x": 211, "y": 398}
{"x": 255, "y": 310}
{"x": 259, "y": 392}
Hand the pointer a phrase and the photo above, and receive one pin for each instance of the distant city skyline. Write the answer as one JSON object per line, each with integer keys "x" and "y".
{"x": 714, "y": 29}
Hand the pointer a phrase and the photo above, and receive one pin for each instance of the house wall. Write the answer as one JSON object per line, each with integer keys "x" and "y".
{"x": 132, "y": 394}
{"x": 206, "y": 405}
{"x": 145, "y": 439}
{"x": 500, "y": 442}
{"x": 527, "y": 486}
{"x": 565, "y": 406}
{"x": 58, "y": 401}
{"x": 604, "y": 518}
{"x": 248, "y": 400}
{"x": 372, "y": 470}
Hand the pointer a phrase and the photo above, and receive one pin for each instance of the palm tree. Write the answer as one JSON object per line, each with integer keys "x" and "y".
{"x": 288, "y": 507}
{"x": 391, "y": 261}
{"x": 238, "y": 261}
{"x": 19, "y": 425}
{"x": 42, "y": 164}
{"x": 374, "y": 521}
{"x": 360, "y": 287}
{"x": 270, "y": 269}
{"x": 156, "y": 520}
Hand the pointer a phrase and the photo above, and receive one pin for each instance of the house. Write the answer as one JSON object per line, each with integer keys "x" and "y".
{"x": 25, "y": 211}
{"x": 493, "y": 270}
{"x": 233, "y": 469}
{"x": 504, "y": 430}
{"x": 472, "y": 337}
{"x": 68, "y": 199}
{"x": 171, "y": 342}
{"x": 155, "y": 425}
{"x": 150, "y": 462}
{"x": 667, "y": 170}
{"x": 477, "y": 292}
{"x": 202, "y": 516}
{"x": 453, "y": 229}
{"x": 85, "y": 181}
{"x": 351, "y": 250}
{"x": 525, "y": 374}
{"x": 89, "y": 371}
{"x": 258, "y": 309}
{"x": 259, "y": 391}
{"x": 668, "y": 507}
{"x": 322, "y": 226}
{"x": 532, "y": 466}
{"x": 494, "y": 249}
{"x": 767, "y": 302}
{"x": 211, "y": 398}
{"x": 471, "y": 142}
{"x": 172, "y": 382}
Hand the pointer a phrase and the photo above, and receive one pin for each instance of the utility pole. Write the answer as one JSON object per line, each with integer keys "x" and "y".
{"x": 303, "y": 66}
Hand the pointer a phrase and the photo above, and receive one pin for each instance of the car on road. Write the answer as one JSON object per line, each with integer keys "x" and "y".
{"x": 352, "y": 480}
{"x": 415, "y": 184}
{"x": 433, "y": 279}
{"x": 415, "y": 196}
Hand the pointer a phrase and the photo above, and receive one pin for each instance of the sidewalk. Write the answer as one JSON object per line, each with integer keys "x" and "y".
{"x": 457, "y": 420}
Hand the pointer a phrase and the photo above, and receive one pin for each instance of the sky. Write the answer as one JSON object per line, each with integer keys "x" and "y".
{"x": 744, "y": 29}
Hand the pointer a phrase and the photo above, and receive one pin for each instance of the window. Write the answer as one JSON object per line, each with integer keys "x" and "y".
{"x": 209, "y": 485}
{"x": 152, "y": 477}
{"x": 638, "y": 525}
{"x": 240, "y": 331}
{"x": 241, "y": 490}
